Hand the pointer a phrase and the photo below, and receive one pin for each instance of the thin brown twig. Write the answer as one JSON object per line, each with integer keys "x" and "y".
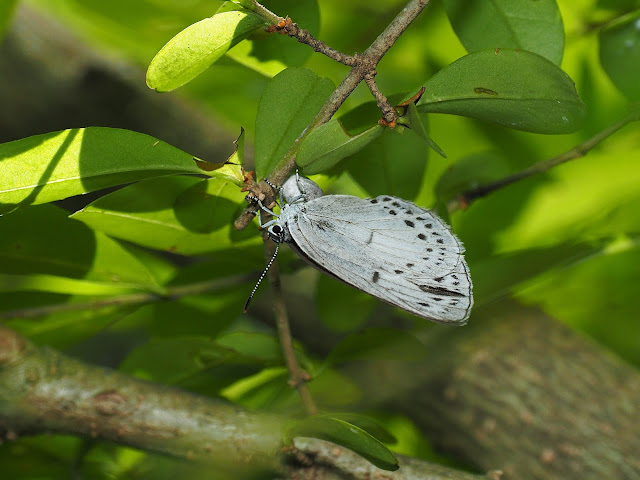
{"x": 388, "y": 112}
{"x": 363, "y": 64}
{"x": 298, "y": 377}
{"x": 466, "y": 198}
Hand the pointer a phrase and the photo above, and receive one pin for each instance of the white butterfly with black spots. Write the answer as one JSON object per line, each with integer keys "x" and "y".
{"x": 388, "y": 247}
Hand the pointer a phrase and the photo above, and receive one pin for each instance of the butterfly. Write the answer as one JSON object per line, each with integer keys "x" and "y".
{"x": 387, "y": 247}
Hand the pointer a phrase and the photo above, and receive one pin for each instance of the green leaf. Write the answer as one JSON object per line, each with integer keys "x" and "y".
{"x": 470, "y": 172}
{"x": 620, "y": 54}
{"x": 393, "y": 164}
{"x": 192, "y": 354}
{"x": 329, "y": 143}
{"x": 57, "y": 165}
{"x": 43, "y": 240}
{"x": 368, "y": 424}
{"x": 416, "y": 124}
{"x": 326, "y": 427}
{"x": 269, "y": 54}
{"x": 501, "y": 274}
{"x": 516, "y": 89}
{"x": 179, "y": 214}
{"x": 151, "y": 362}
{"x": 195, "y": 48}
{"x": 288, "y": 103}
{"x": 58, "y": 284}
{"x": 533, "y": 26}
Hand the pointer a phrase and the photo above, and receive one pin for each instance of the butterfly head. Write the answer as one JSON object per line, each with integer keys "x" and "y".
{"x": 278, "y": 232}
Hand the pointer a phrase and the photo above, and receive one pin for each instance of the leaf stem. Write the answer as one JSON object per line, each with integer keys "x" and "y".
{"x": 466, "y": 198}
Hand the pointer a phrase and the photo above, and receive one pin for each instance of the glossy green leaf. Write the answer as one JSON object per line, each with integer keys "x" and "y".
{"x": 326, "y": 427}
{"x": 57, "y": 165}
{"x": 6, "y": 13}
{"x": 193, "y": 354}
{"x": 195, "y": 48}
{"x": 43, "y": 240}
{"x": 186, "y": 215}
{"x": 62, "y": 330}
{"x": 516, "y": 89}
{"x": 377, "y": 343}
{"x": 341, "y": 307}
{"x": 393, "y": 164}
{"x": 58, "y": 284}
{"x": 368, "y": 424}
{"x": 502, "y": 274}
{"x": 471, "y": 172}
{"x": 620, "y": 54}
{"x": 288, "y": 103}
{"x": 534, "y": 26}
{"x": 417, "y": 126}
{"x": 150, "y": 361}
{"x": 254, "y": 345}
{"x": 329, "y": 143}
{"x": 270, "y": 53}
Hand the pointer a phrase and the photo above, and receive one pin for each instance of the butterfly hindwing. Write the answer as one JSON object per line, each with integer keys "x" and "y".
{"x": 387, "y": 247}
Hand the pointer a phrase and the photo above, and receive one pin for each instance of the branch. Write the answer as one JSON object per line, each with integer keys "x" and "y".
{"x": 43, "y": 391}
{"x": 466, "y": 198}
{"x": 364, "y": 65}
{"x": 517, "y": 391}
{"x": 298, "y": 378}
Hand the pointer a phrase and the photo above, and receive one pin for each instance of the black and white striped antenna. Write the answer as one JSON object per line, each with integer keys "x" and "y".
{"x": 246, "y": 305}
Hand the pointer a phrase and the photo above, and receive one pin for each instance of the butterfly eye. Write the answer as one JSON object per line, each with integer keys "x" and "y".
{"x": 276, "y": 229}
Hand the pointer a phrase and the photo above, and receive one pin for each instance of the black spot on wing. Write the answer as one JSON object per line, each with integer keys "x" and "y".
{"x": 409, "y": 223}
{"x": 398, "y": 271}
{"x": 439, "y": 291}
{"x": 392, "y": 212}
{"x": 422, "y": 236}
{"x": 375, "y": 277}
{"x": 396, "y": 204}
{"x": 409, "y": 265}
{"x": 374, "y": 200}
{"x": 386, "y": 199}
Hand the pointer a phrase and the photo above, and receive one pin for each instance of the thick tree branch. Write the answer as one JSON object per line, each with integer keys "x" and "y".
{"x": 517, "y": 391}
{"x": 43, "y": 391}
